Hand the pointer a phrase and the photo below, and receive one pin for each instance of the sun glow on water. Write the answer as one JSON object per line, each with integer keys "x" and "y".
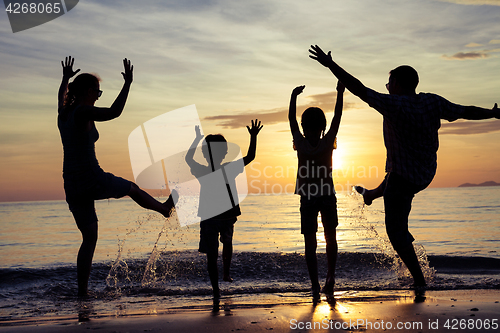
{"x": 337, "y": 156}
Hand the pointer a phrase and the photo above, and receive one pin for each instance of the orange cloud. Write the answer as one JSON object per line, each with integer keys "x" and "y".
{"x": 325, "y": 101}
{"x": 475, "y": 2}
{"x": 467, "y": 55}
{"x": 469, "y": 127}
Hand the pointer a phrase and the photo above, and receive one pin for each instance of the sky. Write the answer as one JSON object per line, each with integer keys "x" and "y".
{"x": 240, "y": 60}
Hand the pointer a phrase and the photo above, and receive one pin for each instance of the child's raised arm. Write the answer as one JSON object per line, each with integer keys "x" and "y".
{"x": 292, "y": 110}
{"x": 334, "y": 127}
{"x": 252, "y": 148}
{"x": 190, "y": 153}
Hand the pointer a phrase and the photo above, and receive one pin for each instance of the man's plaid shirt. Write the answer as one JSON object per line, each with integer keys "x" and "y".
{"x": 411, "y": 125}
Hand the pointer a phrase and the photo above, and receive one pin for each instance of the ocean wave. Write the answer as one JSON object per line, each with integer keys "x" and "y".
{"x": 178, "y": 268}
{"x": 177, "y": 277}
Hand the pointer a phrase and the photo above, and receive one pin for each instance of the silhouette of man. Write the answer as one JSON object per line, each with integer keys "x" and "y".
{"x": 411, "y": 123}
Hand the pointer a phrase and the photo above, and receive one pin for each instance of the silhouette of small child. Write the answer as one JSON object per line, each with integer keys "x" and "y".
{"x": 315, "y": 183}
{"x": 217, "y": 189}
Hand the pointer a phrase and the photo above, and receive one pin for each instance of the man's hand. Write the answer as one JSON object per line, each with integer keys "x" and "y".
{"x": 256, "y": 127}
{"x": 128, "y": 74}
{"x": 298, "y": 90}
{"x": 496, "y": 112}
{"x": 320, "y": 56}
{"x": 67, "y": 66}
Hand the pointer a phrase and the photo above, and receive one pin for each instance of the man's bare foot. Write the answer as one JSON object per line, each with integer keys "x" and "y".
{"x": 367, "y": 197}
{"x": 170, "y": 203}
{"x": 227, "y": 279}
{"x": 82, "y": 295}
{"x": 420, "y": 293}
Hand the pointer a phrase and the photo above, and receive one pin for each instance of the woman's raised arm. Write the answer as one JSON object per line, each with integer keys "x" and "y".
{"x": 68, "y": 73}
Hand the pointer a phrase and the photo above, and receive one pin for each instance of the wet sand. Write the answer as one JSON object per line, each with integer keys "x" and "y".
{"x": 350, "y": 311}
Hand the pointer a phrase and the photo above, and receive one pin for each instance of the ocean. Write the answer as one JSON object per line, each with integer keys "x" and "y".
{"x": 145, "y": 263}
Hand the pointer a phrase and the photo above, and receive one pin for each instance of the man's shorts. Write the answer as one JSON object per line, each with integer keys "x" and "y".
{"x": 80, "y": 195}
{"x": 309, "y": 209}
{"x": 398, "y": 196}
{"x": 209, "y": 234}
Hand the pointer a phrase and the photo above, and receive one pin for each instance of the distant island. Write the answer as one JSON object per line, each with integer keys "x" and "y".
{"x": 489, "y": 183}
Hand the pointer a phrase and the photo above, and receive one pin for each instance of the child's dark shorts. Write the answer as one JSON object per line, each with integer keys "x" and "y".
{"x": 80, "y": 195}
{"x": 309, "y": 209}
{"x": 209, "y": 234}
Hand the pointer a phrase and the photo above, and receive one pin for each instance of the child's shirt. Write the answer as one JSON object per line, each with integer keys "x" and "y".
{"x": 218, "y": 193}
{"x": 314, "y": 173}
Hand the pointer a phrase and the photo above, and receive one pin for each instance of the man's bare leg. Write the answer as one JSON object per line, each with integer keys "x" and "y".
{"x": 370, "y": 195}
{"x": 409, "y": 258}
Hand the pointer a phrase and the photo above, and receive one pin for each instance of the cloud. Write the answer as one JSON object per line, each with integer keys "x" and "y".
{"x": 475, "y": 2}
{"x": 494, "y": 41}
{"x": 324, "y": 101}
{"x": 468, "y": 127}
{"x": 473, "y": 45}
{"x": 467, "y": 55}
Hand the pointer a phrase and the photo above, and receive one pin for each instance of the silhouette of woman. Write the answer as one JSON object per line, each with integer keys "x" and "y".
{"x": 84, "y": 180}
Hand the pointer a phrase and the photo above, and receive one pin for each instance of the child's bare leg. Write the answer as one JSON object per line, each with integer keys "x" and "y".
{"x": 144, "y": 200}
{"x": 331, "y": 254}
{"x": 213, "y": 273}
{"x": 227, "y": 254}
{"x": 370, "y": 195}
{"x": 312, "y": 262}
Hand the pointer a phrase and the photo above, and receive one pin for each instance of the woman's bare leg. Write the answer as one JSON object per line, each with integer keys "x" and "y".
{"x": 145, "y": 200}
{"x": 85, "y": 255}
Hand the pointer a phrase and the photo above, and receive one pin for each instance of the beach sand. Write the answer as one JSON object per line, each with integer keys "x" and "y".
{"x": 352, "y": 311}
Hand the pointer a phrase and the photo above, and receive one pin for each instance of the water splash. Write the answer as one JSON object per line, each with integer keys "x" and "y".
{"x": 149, "y": 277}
{"x": 384, "y": 246}
{"x": 118, "y": 274}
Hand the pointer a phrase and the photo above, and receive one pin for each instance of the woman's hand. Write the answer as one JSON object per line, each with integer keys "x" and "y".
{"x": 67, "y": 66}
{"x": 128, "y": 74}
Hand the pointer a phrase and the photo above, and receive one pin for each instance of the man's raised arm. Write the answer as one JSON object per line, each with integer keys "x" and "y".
{"x": 350, "y": 82}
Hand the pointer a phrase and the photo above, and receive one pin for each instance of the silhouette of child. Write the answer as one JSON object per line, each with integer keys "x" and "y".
{"x": 218, "y": 193}
{"x": 315, "y": 183}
